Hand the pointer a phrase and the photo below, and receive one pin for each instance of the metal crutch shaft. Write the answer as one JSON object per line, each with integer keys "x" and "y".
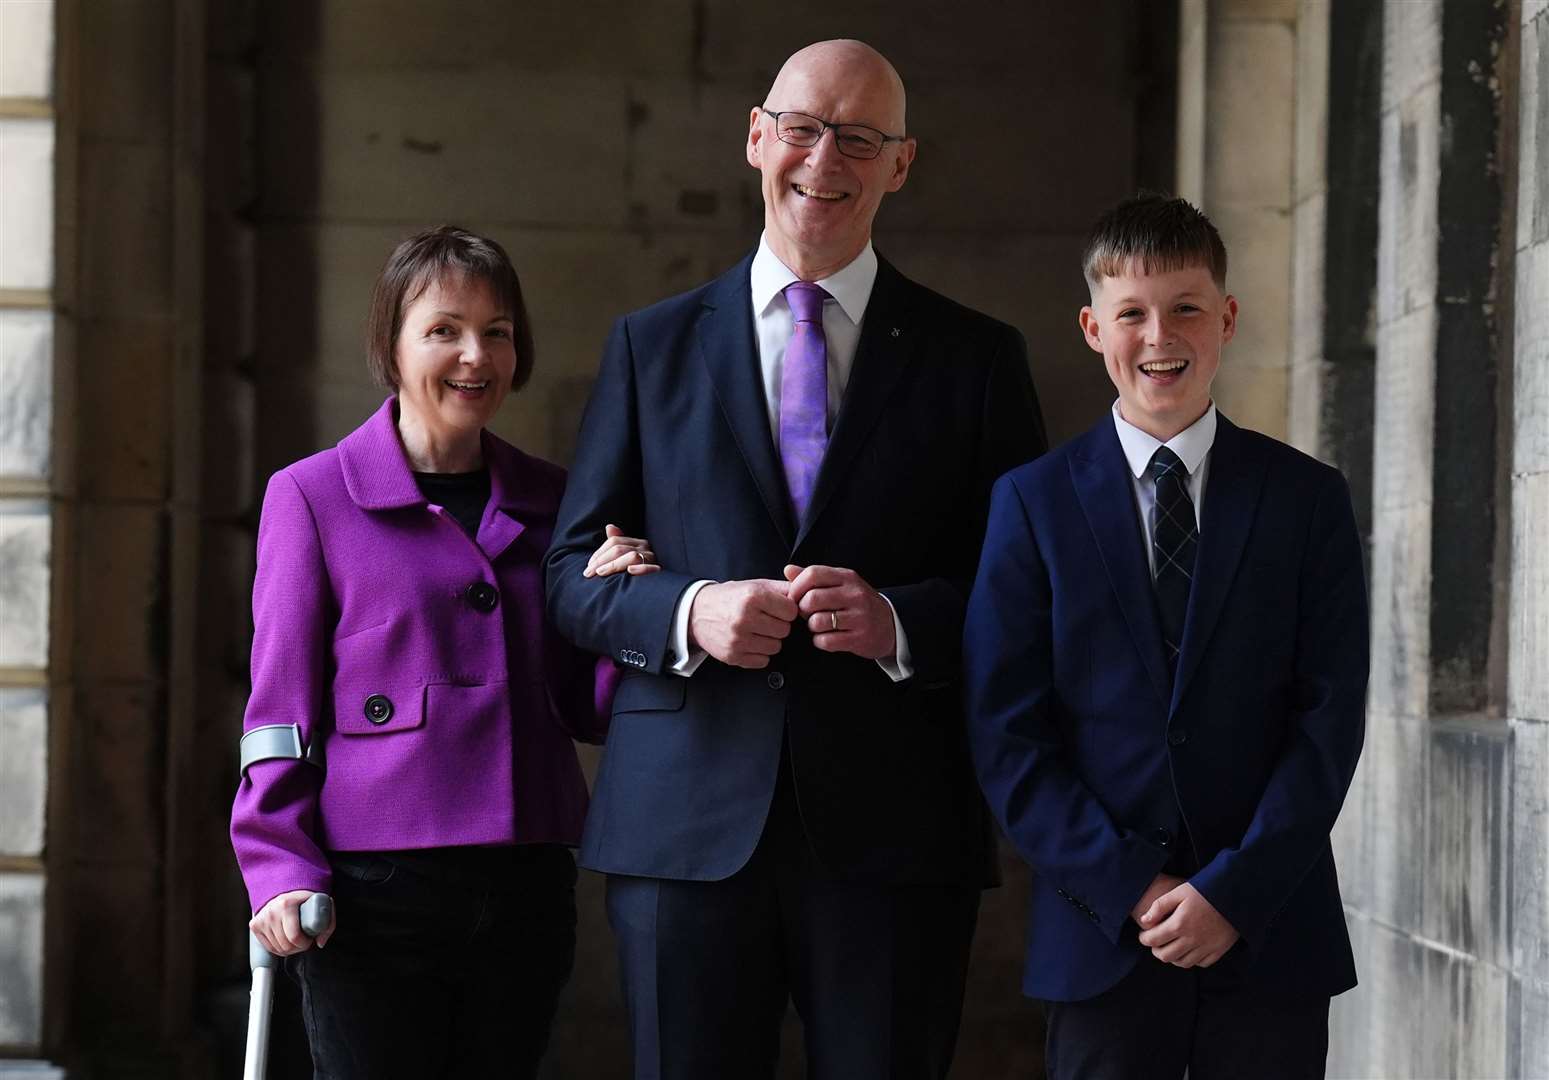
{"x": 316, "y": 912}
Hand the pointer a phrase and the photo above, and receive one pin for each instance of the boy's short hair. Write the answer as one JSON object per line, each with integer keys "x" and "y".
{"x": 1160, "y": 232}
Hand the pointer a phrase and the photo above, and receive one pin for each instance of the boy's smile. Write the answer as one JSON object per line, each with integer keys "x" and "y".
{"x": 1161, "y": 336}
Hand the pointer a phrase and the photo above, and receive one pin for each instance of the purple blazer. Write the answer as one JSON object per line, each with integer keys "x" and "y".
{"x": 420, "y": 657}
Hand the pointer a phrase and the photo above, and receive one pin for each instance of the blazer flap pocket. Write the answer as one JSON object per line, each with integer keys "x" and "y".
{"x": 650, "y": 693}
{"x": 367, "y": 706}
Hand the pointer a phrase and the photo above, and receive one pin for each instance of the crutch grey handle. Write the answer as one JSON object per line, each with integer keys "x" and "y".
{"x": 316, "y": 913}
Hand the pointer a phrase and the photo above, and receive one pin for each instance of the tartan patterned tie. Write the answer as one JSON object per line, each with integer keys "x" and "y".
{"x": 804, "y": 395}
{"x": 1174, "y": 540}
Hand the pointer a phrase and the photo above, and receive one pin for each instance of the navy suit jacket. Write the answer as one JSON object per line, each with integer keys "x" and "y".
{"x": 1094, "y": 759}
{"x": 675, "y": 446}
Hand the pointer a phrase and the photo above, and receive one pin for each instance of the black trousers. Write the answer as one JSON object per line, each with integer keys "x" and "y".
{"x": 1160, "y": 1020}
{"x": 876, "y": 973}
{"x": 445, "y": 963}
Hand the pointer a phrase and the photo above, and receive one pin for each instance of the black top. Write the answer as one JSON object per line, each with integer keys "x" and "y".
{"x": 463, "y": 495}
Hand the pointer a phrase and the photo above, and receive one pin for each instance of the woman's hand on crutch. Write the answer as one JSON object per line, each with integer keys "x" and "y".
{"x": 278, "y": 924}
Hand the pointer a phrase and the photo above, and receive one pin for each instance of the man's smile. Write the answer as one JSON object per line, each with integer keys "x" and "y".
{"x": 813, "y": 193}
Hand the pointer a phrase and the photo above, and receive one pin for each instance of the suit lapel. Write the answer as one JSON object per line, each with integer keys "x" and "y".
{"x": 1104, "y": 486}
{"x": 725, "y": 332}
{"x": 1231, "y": 499}
{"x": 888, "y": 343}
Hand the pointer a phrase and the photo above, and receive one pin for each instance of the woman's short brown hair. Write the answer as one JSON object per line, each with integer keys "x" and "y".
{"x": 441, "y": 254}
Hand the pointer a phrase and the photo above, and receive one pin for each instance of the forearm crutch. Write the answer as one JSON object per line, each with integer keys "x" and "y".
{"x": 316, "y": 913}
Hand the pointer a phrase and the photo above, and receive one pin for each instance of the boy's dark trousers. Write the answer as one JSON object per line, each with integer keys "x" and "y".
{"x": 1160, "y": 1019}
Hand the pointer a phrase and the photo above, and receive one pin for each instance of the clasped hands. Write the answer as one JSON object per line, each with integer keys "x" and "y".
{"x": 744, "y": 623}
{"x": 1180, "y": 926}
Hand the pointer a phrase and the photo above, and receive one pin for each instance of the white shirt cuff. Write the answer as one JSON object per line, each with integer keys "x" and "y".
{"x": 897, "y": 666}
{"x": 686, "y": 660}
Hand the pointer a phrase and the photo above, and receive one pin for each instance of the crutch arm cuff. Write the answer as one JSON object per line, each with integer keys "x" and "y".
{"x": 278, "y": 741}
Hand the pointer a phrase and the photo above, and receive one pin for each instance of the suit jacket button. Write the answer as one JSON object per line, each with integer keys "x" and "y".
{"x": 1161, "y": 838}
{"x": 379, "y": 710}
{"x": 776, "y": 680}
{"x": 481, "y": 596}
{"x": 1177, "y": 738}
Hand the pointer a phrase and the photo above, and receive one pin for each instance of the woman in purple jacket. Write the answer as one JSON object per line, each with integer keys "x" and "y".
{"x": 407, "y": 745}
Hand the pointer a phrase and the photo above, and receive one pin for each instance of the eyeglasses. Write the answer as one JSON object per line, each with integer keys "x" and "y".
{"x": 851, "y": 140}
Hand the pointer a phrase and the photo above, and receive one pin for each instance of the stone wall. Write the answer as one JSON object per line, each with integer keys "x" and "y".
{"x": 28, "y": 549}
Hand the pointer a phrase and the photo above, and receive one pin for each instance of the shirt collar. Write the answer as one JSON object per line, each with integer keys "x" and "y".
{"x": 850, "y": 287}
{"x": 1191, "y": 444}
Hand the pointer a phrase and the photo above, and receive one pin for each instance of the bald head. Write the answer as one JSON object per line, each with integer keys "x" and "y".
{"x": 845, "y": 70}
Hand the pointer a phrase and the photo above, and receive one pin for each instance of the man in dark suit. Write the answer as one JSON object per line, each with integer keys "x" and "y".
{"x": 1166, "y": 655}
{"x": 786, "y": 809}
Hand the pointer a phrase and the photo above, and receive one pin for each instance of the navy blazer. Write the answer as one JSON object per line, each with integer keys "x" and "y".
{"x": 675, "y": 445}
{"x": 1094, "y": 760}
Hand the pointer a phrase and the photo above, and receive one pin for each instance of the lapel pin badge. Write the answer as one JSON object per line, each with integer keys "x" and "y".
{"x": 896, "y": 331}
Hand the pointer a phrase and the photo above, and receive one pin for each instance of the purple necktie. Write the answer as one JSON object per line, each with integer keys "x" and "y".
{"x": 804, "y": 395}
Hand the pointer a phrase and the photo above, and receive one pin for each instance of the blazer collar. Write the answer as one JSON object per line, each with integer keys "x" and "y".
{"x": 1237, "y": 469}
{"x": 730, "y": 355}
{"x": 378, "y": 477}
{"x": 1100, "y": 474}
{"x": 890, "y": 338}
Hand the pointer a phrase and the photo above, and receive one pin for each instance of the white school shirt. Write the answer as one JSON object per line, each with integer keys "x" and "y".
{"x": 849, "y": 291}
{"x": 1192, "y": 445}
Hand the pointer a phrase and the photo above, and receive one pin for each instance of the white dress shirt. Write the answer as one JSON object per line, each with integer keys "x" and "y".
{"x": 849, "y": 291}
{"x": 1192, "y": 445}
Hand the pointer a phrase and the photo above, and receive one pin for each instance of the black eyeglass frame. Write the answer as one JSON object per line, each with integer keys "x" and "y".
{"x": 825, "y": 126}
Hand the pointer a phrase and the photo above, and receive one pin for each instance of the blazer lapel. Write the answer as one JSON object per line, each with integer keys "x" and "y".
{"x": 1231, "y": 499}
{"x": 730, "y": 355}
{"x": 888, "y": 344}
{"x": 1104, "y": 486}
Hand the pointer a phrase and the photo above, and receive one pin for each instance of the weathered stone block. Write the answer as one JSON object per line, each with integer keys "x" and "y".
{"x": 1250, "y": 137}
{"x": 1308, "y": 266}
{"x": 126, "y": 47}
{"x": 228, "y": 429}
{"x": 227, "y": 557}
{"x": 120, "y": 600}
{"x": 1411, "y": 54}
{"x": 1244, "y": 10}
{"x": 24, "y": 586}
{"x": 21, "y": 958}
{"x": 1418, "y": 1012}
{"x": 1530, "y": 399}
{"x": 27, "y": 49}
{"x": 1409, "y": 234}
{"x": 1533, "y": 9}
{"x": 1530, "y": 850}
{"x": 23, "y": 770}
{"x": 1311, "y": 98}
{"x": 1533, "y": 134}
{"x": 26, "y": 392}
{"x": 611, "y": 39}
{"x": 430, "y": 132}
{"x": 27, "y": 211}
{"x": 1466, "y": 881}
{"x": 119, "y": 774}
{"x": 125, "y": 206}
{"x": 118, "y": 915}
{"x": 231, "y": 288}
{"x": 1528, "y": 663}
{"x": 1405, "y": 413}
{"x": 124, "y": 404}
{"x": 1400, "y": 607}
{"x": 1393, "y": 817}
{"x": 1528, "y": 1032}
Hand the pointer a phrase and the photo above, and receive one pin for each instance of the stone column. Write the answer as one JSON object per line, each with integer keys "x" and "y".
{"x": 1236, "y": 138}
{"x": 1425, "y": 841}
{"x": 1528, "y": 659}
{"x": 27, "y": 474}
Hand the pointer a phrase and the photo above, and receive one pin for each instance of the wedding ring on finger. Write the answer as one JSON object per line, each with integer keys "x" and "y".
{"x": 833, "y": 617}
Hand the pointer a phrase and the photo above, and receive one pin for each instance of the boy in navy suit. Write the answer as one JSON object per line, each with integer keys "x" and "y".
{"x": 1166, "y": 660}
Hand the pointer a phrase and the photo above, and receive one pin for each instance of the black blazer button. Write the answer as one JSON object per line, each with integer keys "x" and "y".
{"x": 1177, "y": 738}
{"x": 379, "y": 710}
{"x": 776, "y": 680}
{"x": 1161, "y": 838}
{"x": 481, "y": 596}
